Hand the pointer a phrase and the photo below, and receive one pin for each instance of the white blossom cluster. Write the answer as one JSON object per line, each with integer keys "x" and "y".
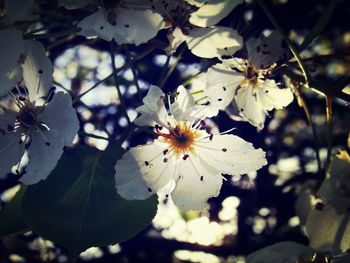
{"x": 186, "y": 162}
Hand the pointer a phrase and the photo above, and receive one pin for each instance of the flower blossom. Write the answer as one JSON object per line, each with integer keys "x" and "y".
{"x": 185, "y": 161}
{"x": 28, "y": 122}
{"x": 125, "y": 21}
{"x": 247, "y": 82}
{"x": 193, "y": 22}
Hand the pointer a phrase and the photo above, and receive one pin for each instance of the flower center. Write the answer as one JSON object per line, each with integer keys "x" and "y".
{"x": 251, "y": 77}
{"x": 180, "y": 138}
{"x": 27, "y": 118}
{"x": 177, "y": 15}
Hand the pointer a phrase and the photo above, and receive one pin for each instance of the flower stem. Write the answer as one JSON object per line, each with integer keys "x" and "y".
{"x": 49, "y": 35}
{"x": 133, "y": 71}
{"x": 312, "y": 125}
{"x": 329, "y": 118}
{"x": 92, "y": 88}
{"x": 173, "y": 67}
{"x": 286, "y": 38}
{"x": 115, "y": 77}
{"x": 94, "y": 136}
{"x": 164, "y": 70}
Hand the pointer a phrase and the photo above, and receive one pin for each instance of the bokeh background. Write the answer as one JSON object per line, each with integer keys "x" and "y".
{"x": 252, "y": 211}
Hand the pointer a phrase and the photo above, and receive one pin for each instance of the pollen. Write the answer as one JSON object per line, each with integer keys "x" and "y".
{"x": 180, "y": 139}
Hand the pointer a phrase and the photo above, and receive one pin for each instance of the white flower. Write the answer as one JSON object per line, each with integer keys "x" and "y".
{"x": 44, "y": 128}
{"x": 184, "y": 161}
{"x": 246, "y": 83}
{"x": 125, "y": 21}
{"x": 192, "y": 21}
{"x": 18, "y": 10}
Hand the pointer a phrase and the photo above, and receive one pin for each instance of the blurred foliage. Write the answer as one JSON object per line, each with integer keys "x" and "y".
{"x": 266, "y": 213}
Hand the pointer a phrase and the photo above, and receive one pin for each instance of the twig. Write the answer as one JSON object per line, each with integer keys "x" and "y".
{"x": 133, "y": 71}
{"x": 173, "y": 67}
{"x": 115, "y": 77}
{"x": 286, "y": 38}
{"x": 329, "y": 118}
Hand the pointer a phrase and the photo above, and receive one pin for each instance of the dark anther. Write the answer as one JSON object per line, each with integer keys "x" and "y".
{"x": 224, "y": 149}
{"x": 146, "y": 163}
{"x": 319, "y": 206}
{"x": 185, "y": 157}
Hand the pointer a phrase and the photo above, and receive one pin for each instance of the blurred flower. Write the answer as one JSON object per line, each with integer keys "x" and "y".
{"x": 184, "y": 160}
{"x": 125, "y": 21}
{"x": 45, "y": 126}
{"x": 192, "y": 21}
{"x": 336, "y": 187}
{"x": 247, "y": 83}
{"x": 16, "y": 10}
{"x": 282, "y": 252}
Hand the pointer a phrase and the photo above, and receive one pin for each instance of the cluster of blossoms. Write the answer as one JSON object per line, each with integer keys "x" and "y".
{"x": 33, "y": 117}
{"x": 186, "y": 161}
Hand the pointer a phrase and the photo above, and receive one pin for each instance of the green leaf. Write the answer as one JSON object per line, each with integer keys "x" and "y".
{"x": 320, "y": 24}
{"x": 78, "y": 205}
{"x": 11, "y": 217}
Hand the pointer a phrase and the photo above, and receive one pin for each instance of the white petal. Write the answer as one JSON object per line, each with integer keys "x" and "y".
{"x": 137, "y": 26}
{"x": 10, "y": 52}
{"x": 183, "y": 105}
{"x": 222, "y": 83}
{"x": 6, "y": 118}
{"x": 59, "y": 115}
{"x": 144, "y": 170}
{"x": 164, "y": 7}
{"x": 19, "y": 10}
{"x": 271, "y": 97}
{"x": 213, "y": 42}
{"x": 231, "y": 155}
{"x": 196, "y": 182}
{"x": 43, "y": 155}
{"x": 153, "y": 110}
{"x": 11, "y": 151}
{"x": 129, "y": 182}
{"x": 265, "y": 51}
{"x": 250, "y": 108}
{"x": 175, "y": 39}
{"x": 74, "y": 4}
{"x": 37, "y": 70}
{"x": 97, "y": 25}
{"x": 212, "y": 11}
{"x": 237, "y": 63}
